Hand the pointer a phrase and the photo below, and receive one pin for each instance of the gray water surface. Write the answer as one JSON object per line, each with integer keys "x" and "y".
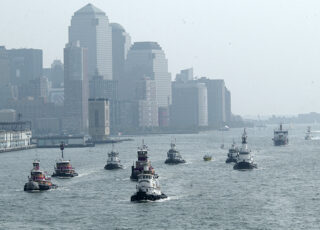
{"x": 283, "y": 193}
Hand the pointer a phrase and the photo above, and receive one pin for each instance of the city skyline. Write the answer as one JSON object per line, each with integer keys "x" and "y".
{"x": 272, "y": 56}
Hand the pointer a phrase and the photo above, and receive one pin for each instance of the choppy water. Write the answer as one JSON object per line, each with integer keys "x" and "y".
{"x": 283, "y": 193}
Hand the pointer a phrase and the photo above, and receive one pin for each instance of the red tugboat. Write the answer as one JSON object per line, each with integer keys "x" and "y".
{"x": 141, "y": 163}
{"x": 63, "y": 167}
{"x": 38, "y": 181}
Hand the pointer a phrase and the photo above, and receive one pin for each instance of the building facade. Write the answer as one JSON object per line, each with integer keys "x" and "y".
{"x": 189, "y": 107}
{"x": 90, "y": 26}
{"x": 76, "y": 89}
{"x": 99, "y": 119}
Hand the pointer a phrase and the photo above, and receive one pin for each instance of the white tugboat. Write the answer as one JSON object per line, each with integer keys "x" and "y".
{"x": 308, "y": 134}
{"x": 244, "y": 160}
{"x": 148, "y": 188}
{"x": 38, "y": 181}
{"x": 63, "y": 168}
{"x": 233, "y": 153}
{"x": 174, "y": 156}
{"x": 113, "y": 161}
{"x": 280, "y": 137}
{"x": 141, "y": 162}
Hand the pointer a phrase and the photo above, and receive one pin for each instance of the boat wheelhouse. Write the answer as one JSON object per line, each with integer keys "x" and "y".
{"x": 113, "y": 161}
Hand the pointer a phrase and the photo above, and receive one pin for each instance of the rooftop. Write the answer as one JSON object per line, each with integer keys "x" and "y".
{"x": 146, "y": 46}
{"x": 89, "y": 9}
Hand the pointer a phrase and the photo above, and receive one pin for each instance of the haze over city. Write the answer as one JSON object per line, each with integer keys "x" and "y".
{"x": 266, "y": 51}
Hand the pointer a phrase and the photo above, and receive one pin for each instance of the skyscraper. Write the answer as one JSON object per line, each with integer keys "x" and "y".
{"x": 121, "y": 42}
{"x": 216, "y": 101}
{"x": 90, "y": 26}
{"x": 189, "y": 107}
{"x": 147, "y": 59}
{"x": 25, "y": 65}
{"x": 75, "y": 89}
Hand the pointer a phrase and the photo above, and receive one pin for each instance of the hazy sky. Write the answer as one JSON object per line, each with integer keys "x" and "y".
{"x": 268, "y": 51}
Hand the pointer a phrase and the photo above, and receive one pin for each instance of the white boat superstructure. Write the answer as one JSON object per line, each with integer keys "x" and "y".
{"x": 233, "y": 153}
{"x": 113, "y": 161}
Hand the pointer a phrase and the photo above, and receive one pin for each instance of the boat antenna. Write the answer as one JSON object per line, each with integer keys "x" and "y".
{"x": 62, "y": 148}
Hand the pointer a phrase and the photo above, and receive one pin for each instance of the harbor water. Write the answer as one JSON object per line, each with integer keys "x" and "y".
{"x": 283, "y": 193}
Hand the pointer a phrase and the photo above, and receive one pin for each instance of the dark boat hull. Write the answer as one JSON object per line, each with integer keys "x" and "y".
{"x": 40, "y": 187}
{"x": 142, "y": 196}
{"x": 64, "y": 174}
{"x": 280, "y": 142}
{"x": 244, "y": 165}
{"x": 231, "y": 160}
{"x": 113, "y": 166}
{"x": 174, "y": 161}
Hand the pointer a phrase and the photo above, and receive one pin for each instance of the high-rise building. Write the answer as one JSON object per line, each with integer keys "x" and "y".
{"x": 228, "y": 105}
{"x": 99, "y": 119}
{"x": 148, "y": 107}
{"x": 147, "y": 59}
{"x": 121, "y": 42}
{"x": 90, "y": 26}
{"x": 185, "y": 75}
{"x": 189, "y": 107}
{"x": 25, "y": 65}
{"x": 216, "y": 101}
{"x": 56, "y": 74}
{"x": 76, "y": 89}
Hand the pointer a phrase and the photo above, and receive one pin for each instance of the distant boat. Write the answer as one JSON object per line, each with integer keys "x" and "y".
{"x": 207, "y": 157}
{"x": 224, "y": 128}
{"x": 280, "y": 136}
{"x": 244, "y": 159}
{"x": 113, "y": 161}
{"x": 174, "y": 156}
{"x": 308, "y": 134}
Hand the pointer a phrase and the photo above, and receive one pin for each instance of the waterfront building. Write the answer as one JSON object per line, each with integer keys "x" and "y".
{"x": 8, "y": 115}
{"x": 76, "y": 89}
{"x": 99, "y": 119}
{"x": 121, "y": 42}
{"x": 90, "y": 26}
{"x": 56, "y": 74}
{"x": 228, "y": 105}
{"x": 15, "y": 136}
{"x": 189, "y": 107}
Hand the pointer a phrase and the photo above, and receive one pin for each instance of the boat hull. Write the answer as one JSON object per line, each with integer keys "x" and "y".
{"x": 174, "y": 161}
{"x": 244, "y": 165}
{"x": 112, "y": 166}
{"x": 231, "y": 160}
{"x": 64, "y": 174}
{"x": 34, "y": 186}
{"x": 280, "y": 142}
{"x": 142, "y": 196}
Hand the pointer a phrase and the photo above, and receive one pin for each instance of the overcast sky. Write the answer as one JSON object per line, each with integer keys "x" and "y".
{"x": 268, "y": 51}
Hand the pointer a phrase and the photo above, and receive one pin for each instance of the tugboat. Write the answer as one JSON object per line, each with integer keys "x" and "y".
{"x": 308, "y": 134}
{"x": 38, "y": 181}
{"x": 233, "y": 153}
{"x": 113, "y": 161}
{"x": 280, "y": 137}
{"x": 141, "y": 162}
{"x": 63, "y": 168}
{"x": 173, "y": 156}
{"x": 244, "y": 160}
{"x": 148, "y": 188}
{"x": 207, "y": 157}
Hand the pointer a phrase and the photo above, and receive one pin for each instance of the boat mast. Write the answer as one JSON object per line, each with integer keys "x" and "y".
{"x": 62, "y": 148}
